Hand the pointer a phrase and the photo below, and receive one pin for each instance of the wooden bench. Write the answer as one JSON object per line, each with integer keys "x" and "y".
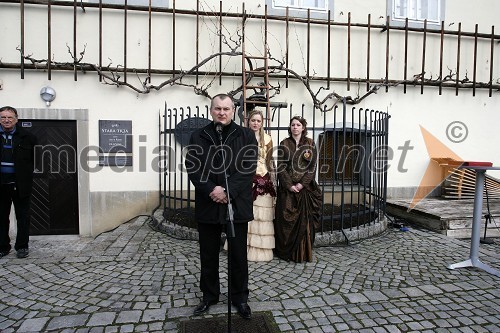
{"x": 459, "y": 183}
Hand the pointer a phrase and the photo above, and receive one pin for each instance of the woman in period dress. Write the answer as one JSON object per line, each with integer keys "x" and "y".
{"x": 260, "y": 241}
{"x": 299, "y": 196}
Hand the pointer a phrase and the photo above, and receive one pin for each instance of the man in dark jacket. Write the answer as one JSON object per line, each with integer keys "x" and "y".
{"x": 204, "y": 164}
{"x": 16, "y": 180}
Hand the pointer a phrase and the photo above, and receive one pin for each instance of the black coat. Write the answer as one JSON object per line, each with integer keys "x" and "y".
{"x": 204, "y": 166}
{"x": 24, "y": 159}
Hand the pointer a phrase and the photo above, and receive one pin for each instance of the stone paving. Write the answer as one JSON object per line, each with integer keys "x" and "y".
{"x": 134, "y": 279}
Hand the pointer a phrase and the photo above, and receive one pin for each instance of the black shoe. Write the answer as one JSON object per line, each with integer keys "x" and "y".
{"x": 203, "y": 307}
{"x": 244, "y": 310}
{"x": 3, "y": 253}
{"x": 23, "y": 253}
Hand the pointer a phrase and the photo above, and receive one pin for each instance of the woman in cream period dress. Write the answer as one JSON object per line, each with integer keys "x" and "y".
{"x": 260, "y": 241}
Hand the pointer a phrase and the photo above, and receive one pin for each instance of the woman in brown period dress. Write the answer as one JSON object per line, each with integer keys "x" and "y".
{"x": 299, "y": 196}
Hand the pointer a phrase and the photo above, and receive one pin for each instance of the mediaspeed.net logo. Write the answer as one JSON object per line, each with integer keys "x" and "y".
{"x": 440, "y": 158}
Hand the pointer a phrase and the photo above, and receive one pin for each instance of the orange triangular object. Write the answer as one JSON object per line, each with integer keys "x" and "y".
{"x": 439, "y": 155}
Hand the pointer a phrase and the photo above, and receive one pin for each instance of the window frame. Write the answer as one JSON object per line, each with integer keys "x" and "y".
{"x": 299, "y": 12}
{"x": 144, "y": 3}
{"x": 415, "y": 22}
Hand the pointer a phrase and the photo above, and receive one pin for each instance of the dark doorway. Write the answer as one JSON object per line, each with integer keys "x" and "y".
{"x": 54, "y": 203}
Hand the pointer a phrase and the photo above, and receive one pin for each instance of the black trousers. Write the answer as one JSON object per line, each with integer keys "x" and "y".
{"x": 209, "y": 238}
{"x": 22, "y": 209}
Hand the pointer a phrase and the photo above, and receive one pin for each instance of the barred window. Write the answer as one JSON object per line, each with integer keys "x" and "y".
{"x": 145, "y": 3}
{"x": 417, "y": 11}
{"x": 298, "y": 8}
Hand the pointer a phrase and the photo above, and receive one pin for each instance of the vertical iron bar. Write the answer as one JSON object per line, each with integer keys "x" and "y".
{"x": 363, "y": 159}
{"x": 125, "y": 13}
{"x": 100, "y": 39}
{"x": 384, "y": 161}
{"x": 322, "y": 148}
{"x": 348, "y": 51}
{"x": 458, "y": 57}
{"x": 376, "y": 175}
{"x": 22, "y": 38}
{"x": 197, "y": 55}
{"x": 74, "y": 41}
{"x": 334, "y": 164}
{"x": 474, "y": 71}
{"x": 377, "y": 130}
{"x": 386, "y": 142}
{"x": 49, "y": 40}
{"x": 371, "y": 143}
{"x": 173, "y": 38}
{"x": 387, "y": 56}
{"x": 243, "y": 63}
{"x": 165, "y": 160}
{"x": 314, "y": 131}
{"x": 368, "y": 47}
{"x": 405, "y": 77}
{"x": 352, "y": 167}
{"x": 175, "y": 162}
{"x": 265, "y": 37}
{"x": 423, "y": 58}
{"x": 329, "y": 52}
{"x": 287, "y": 45}
{"x": 149, "y": 41}
{"x": 441, "y": 50}
{"x": 342, "y": 157}
{"x": 367, "y": 160}
{"x": 279, "y": 129}
{"x": 181, "y": 162}
{"x": 220, "y": 42}
{"x": 308, "y": 64}
{"x": 266, "y": 66}
{"x": 159, "y": 153}
{"x": 375, "y": 161}
{"x": 491, "y": 57}
{"x": 172, "y": 111}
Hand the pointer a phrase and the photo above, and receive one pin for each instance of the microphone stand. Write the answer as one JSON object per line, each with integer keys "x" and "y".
{"x": 229, "y": 230}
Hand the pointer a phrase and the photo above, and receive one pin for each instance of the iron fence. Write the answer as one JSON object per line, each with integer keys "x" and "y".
{"x": 353, "y": 52}
{"x": 352, "y": 163}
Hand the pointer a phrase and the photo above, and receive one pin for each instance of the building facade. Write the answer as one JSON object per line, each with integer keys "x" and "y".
{"x": 113, "y": 66}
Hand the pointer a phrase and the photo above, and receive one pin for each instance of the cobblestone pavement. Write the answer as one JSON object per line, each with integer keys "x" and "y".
{"x": 134, "y": 279}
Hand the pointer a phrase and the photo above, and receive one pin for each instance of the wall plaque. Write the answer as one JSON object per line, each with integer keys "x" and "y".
{"x": 115, "y": 142}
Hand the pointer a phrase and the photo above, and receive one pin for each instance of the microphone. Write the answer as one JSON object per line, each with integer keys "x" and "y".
{"x": 218, "y": 128}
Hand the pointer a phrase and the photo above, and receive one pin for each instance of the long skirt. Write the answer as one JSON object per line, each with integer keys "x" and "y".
{"x": 260, "y": 240}
{"x": 297, "y": 218}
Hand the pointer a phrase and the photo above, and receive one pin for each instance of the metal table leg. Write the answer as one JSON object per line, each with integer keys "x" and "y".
{"x": 473, "y": 260}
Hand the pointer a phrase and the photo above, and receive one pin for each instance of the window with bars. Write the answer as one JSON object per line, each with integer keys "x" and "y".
{"x": 343, "y": 156}
{"x": 145, "y": 3}
{"x": 417, "y": 11}
{"x": 298, "y": 8}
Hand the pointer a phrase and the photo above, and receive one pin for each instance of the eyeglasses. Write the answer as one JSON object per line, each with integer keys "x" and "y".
{"x": 7, "y": 118}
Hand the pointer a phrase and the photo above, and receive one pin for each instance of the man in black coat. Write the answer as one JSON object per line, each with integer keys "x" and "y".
{"x": 16, "y": 180}
{"x": 204, "y": 164}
